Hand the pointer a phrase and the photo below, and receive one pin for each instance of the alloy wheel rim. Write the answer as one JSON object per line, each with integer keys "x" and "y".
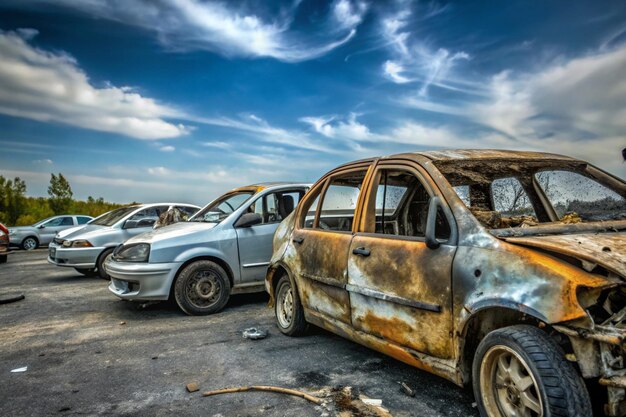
{"x": 203, "y": 289}
{"x": 29, "y": 244}
{"x": 285, "y": 306}
{"x": 508, "y": 387}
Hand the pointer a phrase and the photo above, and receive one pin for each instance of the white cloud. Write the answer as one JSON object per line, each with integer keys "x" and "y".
{"x": 413, "y": 60}
{"x": 349, "y": 128}
{"x": 227, "y": 29}
{"x": 45, "y": 86}
{"x": 167, "y": 148}
{"x": 43, "y": 162}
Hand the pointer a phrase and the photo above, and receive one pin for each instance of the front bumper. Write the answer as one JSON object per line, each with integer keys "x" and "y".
{"x": 141, "y": 280}
{"x": 73, "y": 257}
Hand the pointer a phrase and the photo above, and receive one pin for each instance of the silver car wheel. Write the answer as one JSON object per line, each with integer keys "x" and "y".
{"x": 29, "y": 243}
{"x": 203, "y": 289}
{"x": 285, "y": 306}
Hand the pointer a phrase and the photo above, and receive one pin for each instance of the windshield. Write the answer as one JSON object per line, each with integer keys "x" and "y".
{"x": 504, "y": 194}
{"x": 222, "y": 207}
{"x": 113, "y": 216}
{"x": 40, "y": 222}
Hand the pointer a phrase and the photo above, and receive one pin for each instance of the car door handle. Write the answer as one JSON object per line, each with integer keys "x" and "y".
{"x": 361, "y": 251}
{"x": 298, "y": 240}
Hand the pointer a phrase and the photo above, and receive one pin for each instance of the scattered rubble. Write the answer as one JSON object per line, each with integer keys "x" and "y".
{"x": 253, "y": 333}
{"x": 192, "y": 387}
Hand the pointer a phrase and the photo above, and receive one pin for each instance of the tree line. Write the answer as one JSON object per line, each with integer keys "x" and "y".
{"x": 16, "y": 209}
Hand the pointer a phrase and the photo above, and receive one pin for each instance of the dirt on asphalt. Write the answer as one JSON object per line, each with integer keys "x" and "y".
{"x": 89, "y": 353}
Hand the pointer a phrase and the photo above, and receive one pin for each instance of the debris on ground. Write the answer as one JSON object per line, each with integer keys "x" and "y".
{"x": 254, "y": 334}
{"x": 64, "y": 409}
{"x": 281, "y": 390}
{"x": 350, "y": 403}
{"x": 192, "y": 387}
{"x": 122, "y": 323}
{"x": 6, "y": 299}
{"x": 406, "y": 389}
{"x": 17, "y": 370}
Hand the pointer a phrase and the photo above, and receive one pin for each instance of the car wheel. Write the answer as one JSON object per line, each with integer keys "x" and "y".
{"x": 289, "y": 312}
{"x": 100, "y": 263}
{"x": 202, "y": 288}
{"x": 88, "y": 272}
{"x": 521, "y": 371}
{"x": 3, "y": 259}
{"x": 30, "y": 243}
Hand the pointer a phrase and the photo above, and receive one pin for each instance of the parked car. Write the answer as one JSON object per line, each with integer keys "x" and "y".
{"x": 504, "y": 269}
{"x": 4, "y": 243}
{"x": 42, "y": 232}
{"x": 224, "y": 249}
{"x": 85, "y": 248}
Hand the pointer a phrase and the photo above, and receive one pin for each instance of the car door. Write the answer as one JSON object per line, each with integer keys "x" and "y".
{"x": 320, "y": 243}
{"x": 400, "y": 290}
{"x": 52, "y": 227}
{"x": 255, "y": 242}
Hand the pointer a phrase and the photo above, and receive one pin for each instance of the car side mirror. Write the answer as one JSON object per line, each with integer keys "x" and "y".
{"x": 249, "y": 219}
{"x": 41, "y": 226}
{"x": 431, "y": 224}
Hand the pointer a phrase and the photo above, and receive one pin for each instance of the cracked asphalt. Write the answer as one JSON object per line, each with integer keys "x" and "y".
{"x": 89, "y": 353}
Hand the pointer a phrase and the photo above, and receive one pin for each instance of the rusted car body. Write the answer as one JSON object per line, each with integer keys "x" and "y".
{"x": 429, "y": 297}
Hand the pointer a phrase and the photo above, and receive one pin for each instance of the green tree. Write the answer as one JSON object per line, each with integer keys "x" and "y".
{"x": 11, "y": 199}
{"x": 60, "y": 193}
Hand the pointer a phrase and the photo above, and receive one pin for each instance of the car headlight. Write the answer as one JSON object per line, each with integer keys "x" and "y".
{"x": 81, "y": 243}
{"x": 138, "y": 252}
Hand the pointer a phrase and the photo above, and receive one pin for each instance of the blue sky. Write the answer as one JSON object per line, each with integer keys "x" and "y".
{"x": 184, "y": 99}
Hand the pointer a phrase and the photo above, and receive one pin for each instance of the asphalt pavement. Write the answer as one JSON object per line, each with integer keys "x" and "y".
{"x": 88, "y": 353}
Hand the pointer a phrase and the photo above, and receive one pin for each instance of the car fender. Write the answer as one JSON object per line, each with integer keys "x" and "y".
{"x": 196, "y": 252}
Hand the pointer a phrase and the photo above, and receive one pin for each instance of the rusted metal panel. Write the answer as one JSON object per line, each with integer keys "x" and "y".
{"x": 606, "y": 249}
{"x": 407, "y": 272}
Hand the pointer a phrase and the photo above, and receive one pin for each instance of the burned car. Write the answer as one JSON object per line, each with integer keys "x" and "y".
{"x": 500, "y": 269}
{"x": 223, "y": 249}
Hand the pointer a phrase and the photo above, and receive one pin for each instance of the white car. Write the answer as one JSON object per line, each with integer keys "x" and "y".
{"x": 85, "y": 248}
{"x": 42, "y": 232}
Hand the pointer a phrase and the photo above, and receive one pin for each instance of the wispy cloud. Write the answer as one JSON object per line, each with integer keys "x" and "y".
{"x": 412, "y": 59}
{"x": 234, "y": 31}
{"x": 46, "y": 86}
{"x": 167, "y": 148}
{"x": 43, "y": 162}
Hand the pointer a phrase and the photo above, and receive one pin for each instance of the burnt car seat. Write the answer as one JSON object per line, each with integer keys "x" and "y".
{"x": 285, "y": 206}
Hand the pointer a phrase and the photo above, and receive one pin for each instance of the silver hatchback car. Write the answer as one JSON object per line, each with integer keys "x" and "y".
{"x": 85, "y": 248}
{"x": 224, "y": 249}
{"x": 42, "y": 232}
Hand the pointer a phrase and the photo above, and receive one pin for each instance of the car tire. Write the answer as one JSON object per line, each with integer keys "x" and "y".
{"x": 520, "y": 368}
{"x": 100, "y": 263}
{"x": 288, "y": 309}
{"x": 202, "y": 288}
{"x": 3, "y": 259}
{"x": 88, "y": 272}
{"x": 30, "y": 243}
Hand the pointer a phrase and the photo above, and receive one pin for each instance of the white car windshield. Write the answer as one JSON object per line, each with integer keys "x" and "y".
{"x": 222, "y": 207}
{"x": 113, "y": 216}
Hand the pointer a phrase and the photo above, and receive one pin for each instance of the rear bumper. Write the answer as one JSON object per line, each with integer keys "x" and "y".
{"x": 73, "y": 257}
{"x": 141, "y": 280}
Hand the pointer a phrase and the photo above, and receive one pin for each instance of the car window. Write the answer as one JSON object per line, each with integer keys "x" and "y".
{"x": 510, "y": 198}
{"x": 223, "y": 207}
{"x": 275, "y": 207}
{"x": 146, "y": 217}
{"x": 188, "y": 211}
{"x": 82, "y": 220}
{"x": 340, "y": 200}
{"x": 402, "y": 204}
{"x": 59, "y": 221}
{"x": 581, "y": 197}
{"x": 309, "y": 211}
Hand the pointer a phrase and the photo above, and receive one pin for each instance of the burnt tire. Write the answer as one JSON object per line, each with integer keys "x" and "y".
{"x": 30, "y": 243}
{"x": 88, "y": 272}
{"x": 288, "y": 309}
{"x": 202, "y": 288}
{"x": 100, "y": 263}
{"x": 520, "y": 370}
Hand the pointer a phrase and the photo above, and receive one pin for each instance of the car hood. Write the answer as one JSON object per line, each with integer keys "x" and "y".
{"x": 605, "y": 249}
{"x": 172, "y": 231}
{"x": 82, "y": 232}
